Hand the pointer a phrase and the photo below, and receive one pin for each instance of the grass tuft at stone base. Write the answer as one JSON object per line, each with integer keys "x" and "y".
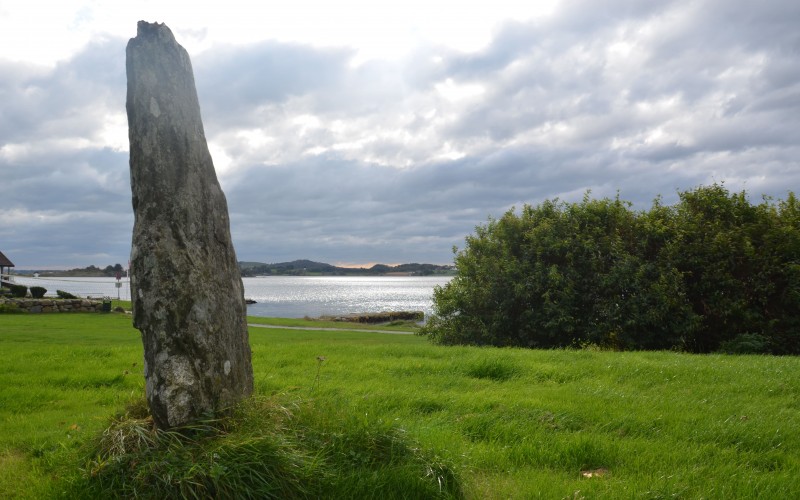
{"x": 261, "y": 449}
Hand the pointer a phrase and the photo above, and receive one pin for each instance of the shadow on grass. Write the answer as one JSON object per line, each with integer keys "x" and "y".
{"x": 261, "y": 449}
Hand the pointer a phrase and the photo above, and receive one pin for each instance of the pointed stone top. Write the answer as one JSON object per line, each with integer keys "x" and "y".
{"x": 145, "y": 29}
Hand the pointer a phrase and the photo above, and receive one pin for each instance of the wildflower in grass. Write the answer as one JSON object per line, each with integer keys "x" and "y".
{"x": 320, "y": 360}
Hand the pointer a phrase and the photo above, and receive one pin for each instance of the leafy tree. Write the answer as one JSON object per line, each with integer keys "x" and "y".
{"x": 739, "y": 264}
{"x": 690, "y": 277}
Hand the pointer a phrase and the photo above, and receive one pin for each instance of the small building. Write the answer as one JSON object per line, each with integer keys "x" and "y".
{"x": 5, "y": 269}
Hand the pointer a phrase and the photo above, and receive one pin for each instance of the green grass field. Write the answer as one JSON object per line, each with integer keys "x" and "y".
{"x": 510, "y": 423}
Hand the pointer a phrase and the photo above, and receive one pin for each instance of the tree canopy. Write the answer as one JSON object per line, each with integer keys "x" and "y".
{"x": 712, "y": 272}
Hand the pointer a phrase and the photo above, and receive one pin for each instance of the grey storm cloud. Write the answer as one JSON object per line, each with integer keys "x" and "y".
{"x": 68, "y": 101}
{"x": 234, "y": 82}
{"x": 325, "y": 157}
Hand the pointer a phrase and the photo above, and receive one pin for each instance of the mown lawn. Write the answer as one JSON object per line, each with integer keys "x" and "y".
{"x": 513, "y": 423}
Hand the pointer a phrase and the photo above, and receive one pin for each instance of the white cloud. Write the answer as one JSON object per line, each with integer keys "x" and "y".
{"x": 53, "y": 31}
{"x": 454, "y": 92}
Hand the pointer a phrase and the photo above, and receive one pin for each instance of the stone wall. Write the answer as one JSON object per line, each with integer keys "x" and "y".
{"x": 46, "y": 305}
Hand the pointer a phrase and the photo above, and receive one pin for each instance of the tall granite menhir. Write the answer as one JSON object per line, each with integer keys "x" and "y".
{"x": 187, "y": 293}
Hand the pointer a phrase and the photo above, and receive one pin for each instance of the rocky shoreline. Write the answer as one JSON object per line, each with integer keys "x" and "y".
{"x": 378, "y": 317}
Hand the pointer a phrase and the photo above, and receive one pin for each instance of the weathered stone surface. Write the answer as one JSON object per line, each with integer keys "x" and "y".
{"x": 187, "y": 293}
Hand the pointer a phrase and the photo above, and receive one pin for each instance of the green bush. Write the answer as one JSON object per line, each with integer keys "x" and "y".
{"x": 19, "y": 291}
{"x": 691, "y": 277}
{"x": 746, "y": 343}
{"x": 37, "y": 292}
{"x": 65, "y": 295}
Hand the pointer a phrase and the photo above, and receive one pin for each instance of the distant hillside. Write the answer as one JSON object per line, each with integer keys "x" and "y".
{"x": 311, "y": 268}
{"x": 301, "y": 267}
{"x": 82, "y": 272}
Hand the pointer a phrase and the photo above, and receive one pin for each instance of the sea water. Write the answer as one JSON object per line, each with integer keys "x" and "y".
{"x": 289, "y": 296}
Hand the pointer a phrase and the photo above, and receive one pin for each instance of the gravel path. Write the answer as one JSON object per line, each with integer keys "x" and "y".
{"x": 392, "y": 332}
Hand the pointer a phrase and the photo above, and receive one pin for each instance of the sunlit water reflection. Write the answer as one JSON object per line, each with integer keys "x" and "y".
{"x": 290, "y": 296}
{"x": 296, "y": 297}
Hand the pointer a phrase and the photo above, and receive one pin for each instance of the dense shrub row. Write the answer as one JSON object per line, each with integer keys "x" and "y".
{"x": 713, "y": 272}
{"x": 21, "y": 291}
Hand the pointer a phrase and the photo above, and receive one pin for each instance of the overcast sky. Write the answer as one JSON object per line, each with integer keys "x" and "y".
{"x": 362, "y": 132}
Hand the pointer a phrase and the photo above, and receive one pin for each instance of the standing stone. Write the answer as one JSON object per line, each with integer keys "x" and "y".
{"x": 187, "y": 293}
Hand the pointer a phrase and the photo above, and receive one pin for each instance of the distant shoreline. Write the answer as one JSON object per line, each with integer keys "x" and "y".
{"x": 257, "y": 269}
